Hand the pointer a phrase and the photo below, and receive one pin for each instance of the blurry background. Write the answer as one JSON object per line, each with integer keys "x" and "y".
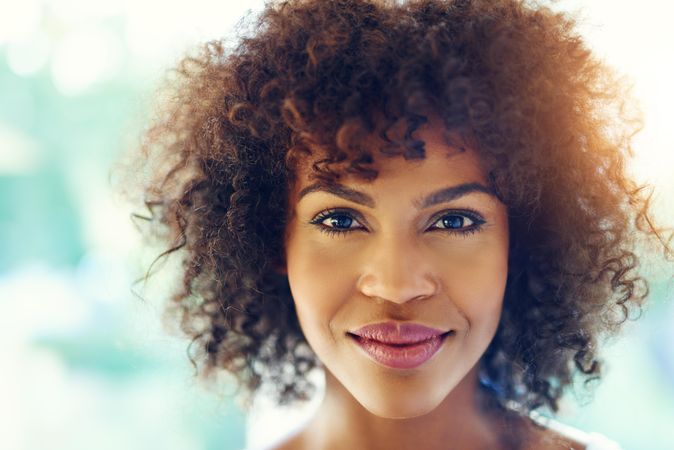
{"x": 84, "y": 364}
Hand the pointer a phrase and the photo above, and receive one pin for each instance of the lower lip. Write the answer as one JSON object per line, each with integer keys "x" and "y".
{"x": 401, "y": 356}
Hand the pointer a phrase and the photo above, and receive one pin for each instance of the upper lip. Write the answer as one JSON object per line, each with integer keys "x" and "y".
{"x": 398, "y": 332}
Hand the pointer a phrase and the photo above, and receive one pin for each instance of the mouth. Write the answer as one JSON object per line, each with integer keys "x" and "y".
{"x": 401, "y": 355}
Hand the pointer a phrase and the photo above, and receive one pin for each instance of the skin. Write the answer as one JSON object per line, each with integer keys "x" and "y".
{"x": 401, "y": 263}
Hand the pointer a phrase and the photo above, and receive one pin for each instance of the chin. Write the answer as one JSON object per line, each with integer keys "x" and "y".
{"x": 399, "y": 407}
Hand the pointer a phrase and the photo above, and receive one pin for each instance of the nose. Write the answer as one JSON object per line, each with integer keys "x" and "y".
{"x": 397, "y": 271}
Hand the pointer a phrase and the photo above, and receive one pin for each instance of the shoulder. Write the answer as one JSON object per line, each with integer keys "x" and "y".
{"x": 549, "y": 435}
{"x": 557, "y": 435}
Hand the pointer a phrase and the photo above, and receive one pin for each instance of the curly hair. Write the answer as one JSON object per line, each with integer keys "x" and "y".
{"x": 548, "y": 118}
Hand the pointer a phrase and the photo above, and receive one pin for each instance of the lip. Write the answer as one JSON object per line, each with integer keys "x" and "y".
{"x": 399, "y": 345}
{"x": 398, "y": 332}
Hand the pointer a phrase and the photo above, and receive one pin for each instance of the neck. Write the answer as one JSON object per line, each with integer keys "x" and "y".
{"x": 342, "y": 422}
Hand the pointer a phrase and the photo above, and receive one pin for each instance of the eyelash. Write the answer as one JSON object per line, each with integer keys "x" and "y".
{"x": 331, "y": 231}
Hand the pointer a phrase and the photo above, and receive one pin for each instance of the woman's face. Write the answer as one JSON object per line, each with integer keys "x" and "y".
{"x": 425, "y": 243}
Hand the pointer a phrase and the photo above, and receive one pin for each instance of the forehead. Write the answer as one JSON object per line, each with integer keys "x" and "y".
{"x": 448, "y": 154}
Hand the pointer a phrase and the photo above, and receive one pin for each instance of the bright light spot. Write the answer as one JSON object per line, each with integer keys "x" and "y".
{"x": 639, "y": 45}
{"x": 18, "y": 152}
{"x": 13, "y": 408}
{"x": 84, "y": 57}
{"x": 55, "y": 402}
{"x": 42, "y": 301}
{"x": 268, "y": 423}
{"x": 28, "y": 56}
{"x": 19, "y": 19}
{"x": 75, "y": 12}
{"x": 155, "y": 44}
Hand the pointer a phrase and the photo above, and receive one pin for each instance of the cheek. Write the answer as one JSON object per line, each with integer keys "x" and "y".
{"x": 320, "y": 282}
{"x": 475, "y": 278}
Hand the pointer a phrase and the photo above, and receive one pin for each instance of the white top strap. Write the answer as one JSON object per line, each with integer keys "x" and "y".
{"x": 592, "y": 441}
{"x": 598, "y": 441}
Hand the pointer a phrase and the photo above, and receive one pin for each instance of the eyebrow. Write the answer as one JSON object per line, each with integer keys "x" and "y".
{"x": 440, "y": 196}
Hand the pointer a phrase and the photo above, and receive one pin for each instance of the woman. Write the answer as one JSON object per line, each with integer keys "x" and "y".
{"x": 427, "y": 200}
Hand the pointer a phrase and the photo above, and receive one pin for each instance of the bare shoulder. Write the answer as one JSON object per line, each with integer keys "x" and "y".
{"x": 550, "y": 435}
{"x": 540, "y": 439}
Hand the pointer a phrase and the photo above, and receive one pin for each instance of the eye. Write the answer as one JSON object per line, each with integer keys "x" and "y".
{"x": 335, "y": 222}
{"x": 455, "y": 221}
{"x": 463, "y": 222}
{"x": 341, "y": 222}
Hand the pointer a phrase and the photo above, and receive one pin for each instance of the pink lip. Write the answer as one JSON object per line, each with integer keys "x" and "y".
{"x": 399, "y": 345}
{"x": 398, "y": 333}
